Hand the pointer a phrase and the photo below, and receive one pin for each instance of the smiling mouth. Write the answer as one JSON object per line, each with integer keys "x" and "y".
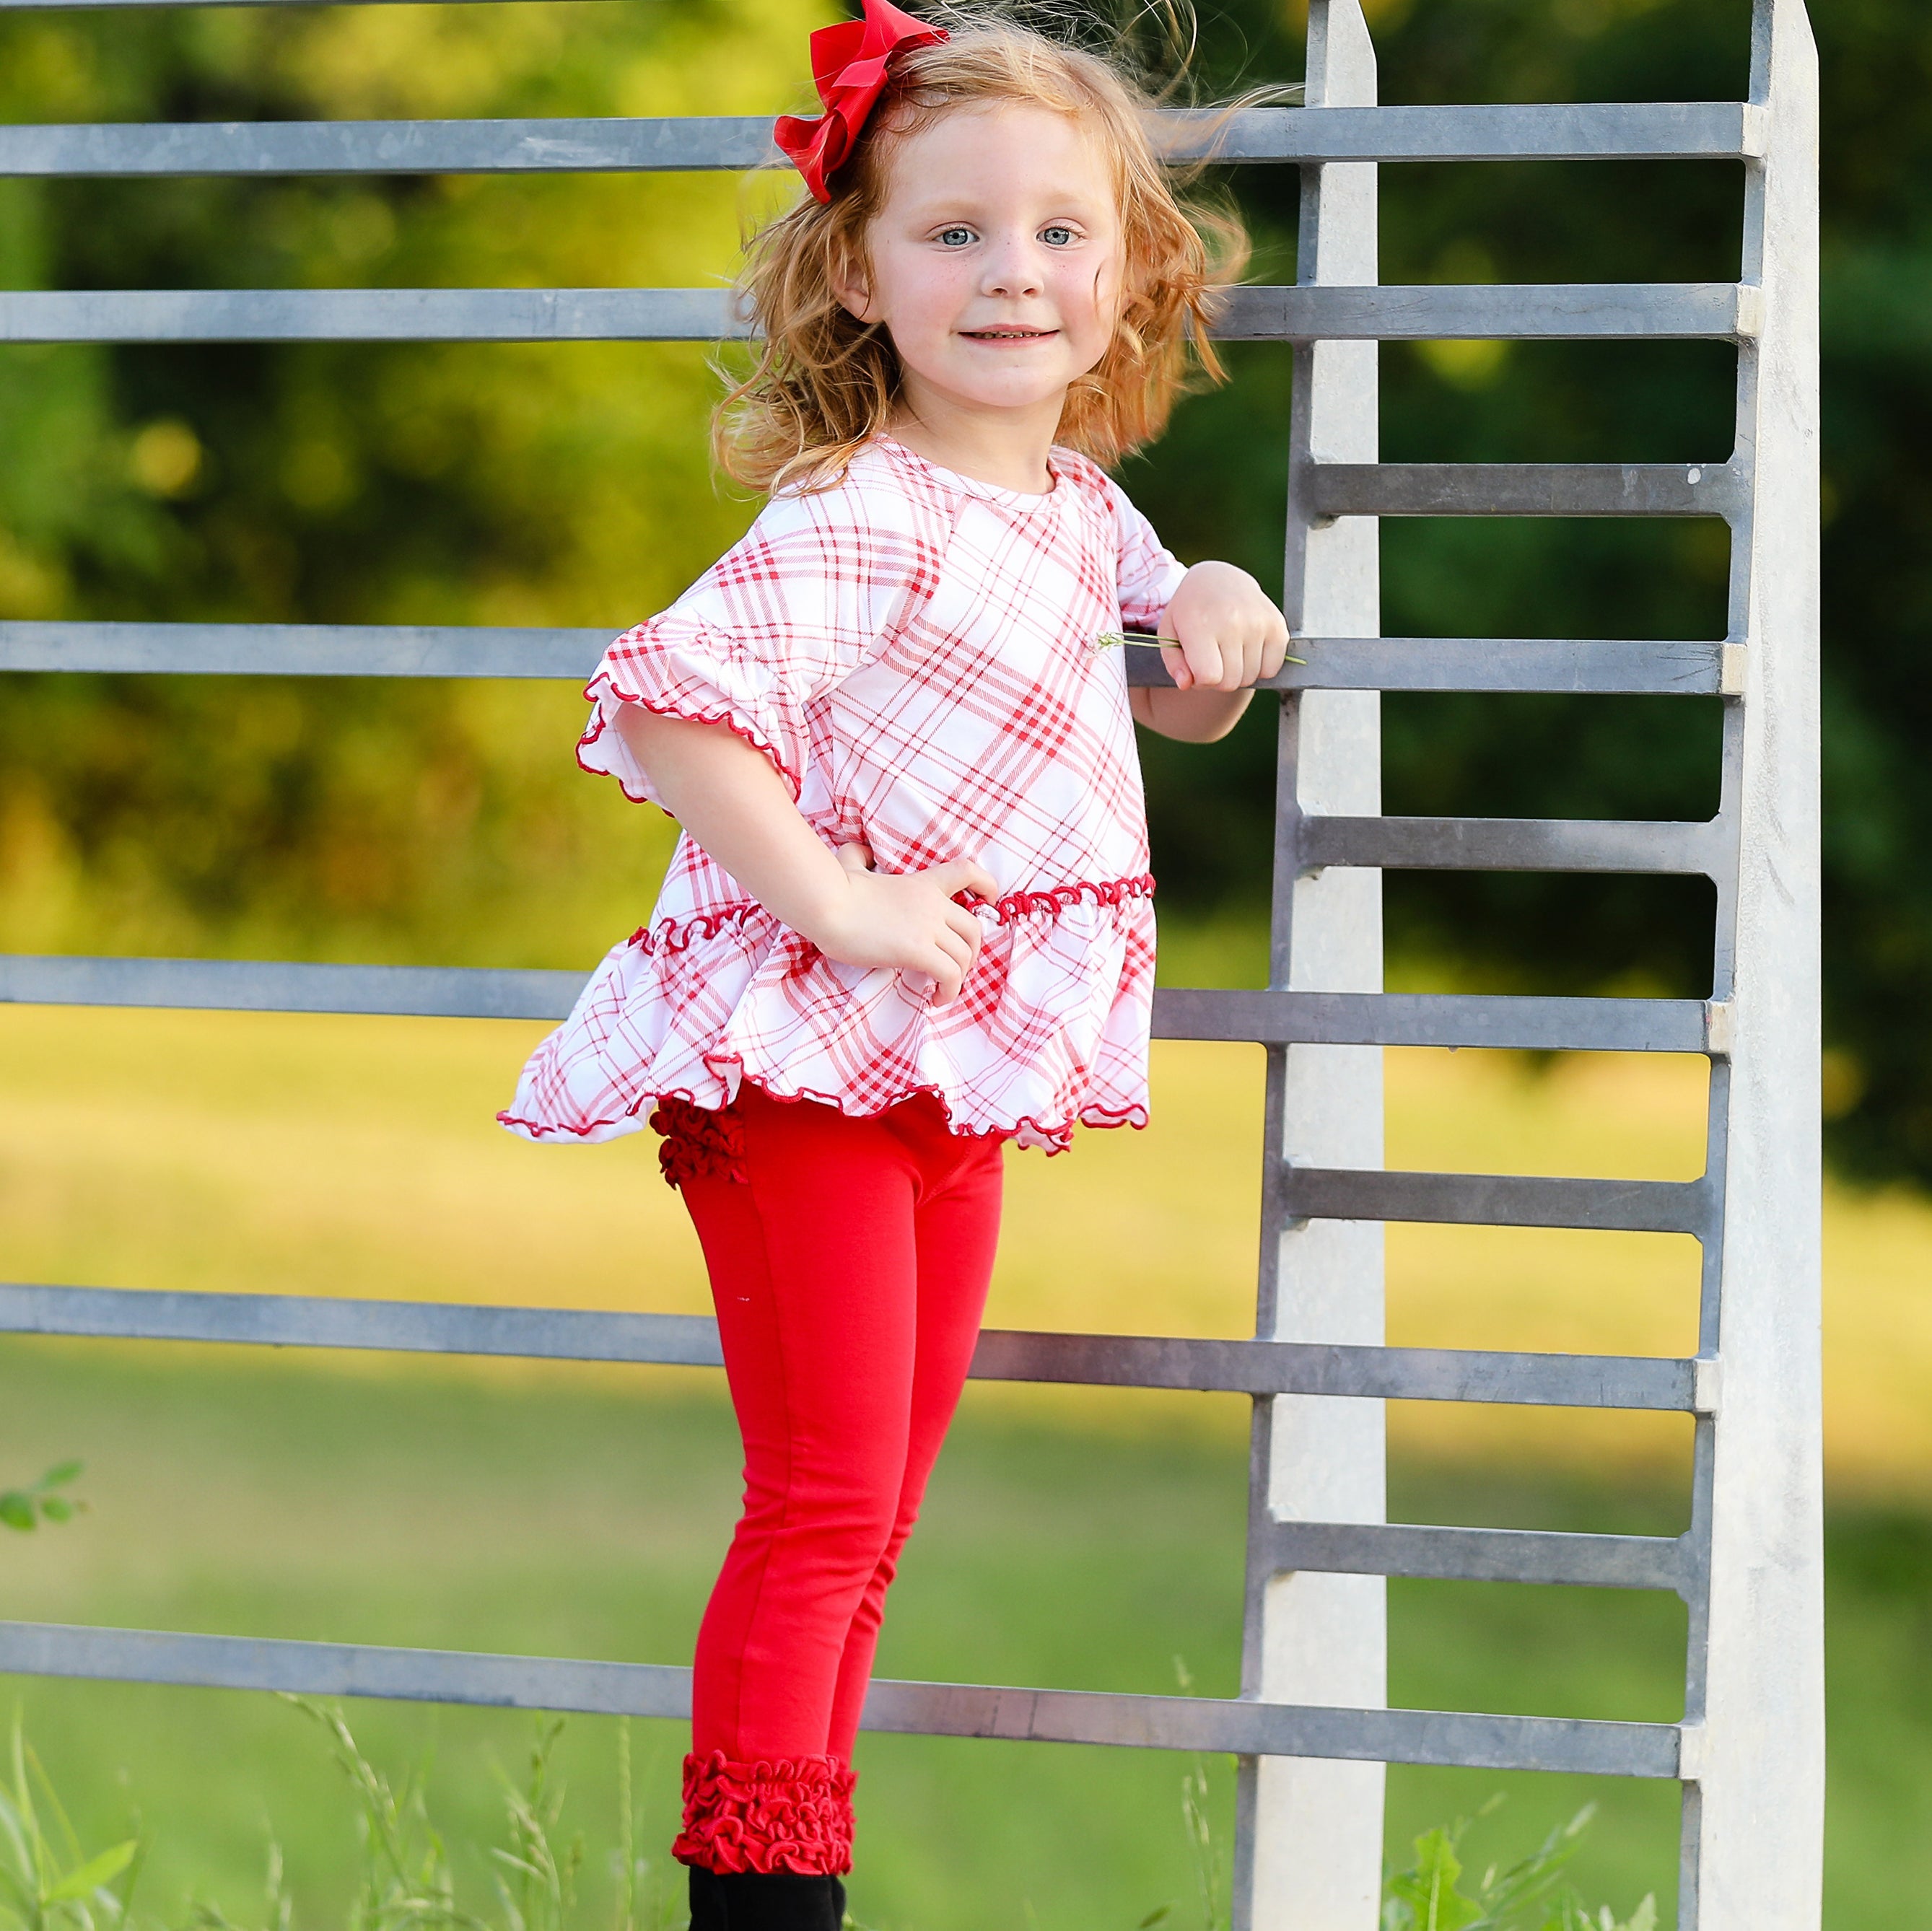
{"x": 1008, "y": 334}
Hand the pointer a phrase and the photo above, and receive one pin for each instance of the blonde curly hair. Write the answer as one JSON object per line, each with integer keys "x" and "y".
{"x": 824, "y": 383}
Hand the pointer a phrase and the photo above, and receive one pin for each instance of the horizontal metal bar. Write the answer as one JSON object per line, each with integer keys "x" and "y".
{"x": 1527, "y": 489}
{"x": 1582, "y": 666}
{"x": 303, "y": 650}
{"x": 1579, "y": 131}
{"x": 371, "y": 315}
{"x": 455, "y": 992}
{"x": 1701, "y": 131}
{"x": 68, "y": 6}
{"x": 926, "y": 1709}
{"x": 1691, "y": 311}
{"x": 402, "y": 1327}
{"x": 1652, "y": 1384}
{"x": 606, "y": 145}
{"x": 1512, "y": 844}
{"x": 1098, "y": 1360}
{"x": 1496, "y": 1200}
{"x": 259, "y": 985}
{"x": 1718, "y": 310}
{"x": 1550, "y": 1743}
{"x": 1477, "y": 1555}
{"x": 1434, "y": 1019}
{"x": 459, "y": 650}
{"x": 343, "y": 1669}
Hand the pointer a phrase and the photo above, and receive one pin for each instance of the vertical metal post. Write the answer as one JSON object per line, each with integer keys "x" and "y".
{"x": 1309, "y": 1849}
{"x": 1754, "y": 1804}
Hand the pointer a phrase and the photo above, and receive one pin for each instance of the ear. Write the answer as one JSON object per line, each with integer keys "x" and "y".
{"x": 853, "y": 285}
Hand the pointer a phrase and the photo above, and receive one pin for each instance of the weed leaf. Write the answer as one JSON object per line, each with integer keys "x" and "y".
{"x": 93, "y": 1874}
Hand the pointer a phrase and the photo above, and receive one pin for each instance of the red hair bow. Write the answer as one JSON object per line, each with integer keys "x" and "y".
{"x": 849, "y": 63}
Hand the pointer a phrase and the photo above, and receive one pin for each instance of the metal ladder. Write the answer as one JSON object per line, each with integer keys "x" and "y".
{"x": 1310, "y": 1728}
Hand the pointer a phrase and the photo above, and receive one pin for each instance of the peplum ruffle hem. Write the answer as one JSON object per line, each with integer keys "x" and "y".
{"x": 1049, "y": 1031}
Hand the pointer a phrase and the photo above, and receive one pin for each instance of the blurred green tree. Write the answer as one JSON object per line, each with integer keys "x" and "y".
{"x": 1215, "y": 481}
{"x": 351, "y": 483}
{"x": 521, "y": 484}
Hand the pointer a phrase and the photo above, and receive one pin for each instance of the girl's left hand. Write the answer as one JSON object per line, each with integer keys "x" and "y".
{"x": 1226, "y": 632}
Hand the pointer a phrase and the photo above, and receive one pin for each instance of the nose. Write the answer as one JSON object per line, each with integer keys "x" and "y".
{"x": 1012, "y": 269}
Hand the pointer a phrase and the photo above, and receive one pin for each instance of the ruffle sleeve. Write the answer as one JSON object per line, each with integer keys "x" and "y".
{"x": 1150, "y": 573}
{"x": 820, "y": 582}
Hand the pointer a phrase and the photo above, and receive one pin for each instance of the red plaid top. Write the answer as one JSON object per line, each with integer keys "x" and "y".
{"x": 915, "y": 651}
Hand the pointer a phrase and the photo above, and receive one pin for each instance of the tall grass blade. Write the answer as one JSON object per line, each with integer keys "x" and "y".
{"x": 95, "y": 1874}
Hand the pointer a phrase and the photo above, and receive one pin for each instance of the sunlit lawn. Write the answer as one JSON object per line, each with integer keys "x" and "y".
{"x": 1072, "y": 1538}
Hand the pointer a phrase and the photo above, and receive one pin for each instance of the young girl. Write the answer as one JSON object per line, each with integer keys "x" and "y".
{"x": 909, "y": 917}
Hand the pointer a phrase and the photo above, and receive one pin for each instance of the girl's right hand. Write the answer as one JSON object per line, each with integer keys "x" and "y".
{"x": 731, "y": 798}
{"x": 905, "y": 920}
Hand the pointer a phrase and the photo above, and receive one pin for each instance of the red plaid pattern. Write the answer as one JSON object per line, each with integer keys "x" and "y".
{"x": 914, "y": 651}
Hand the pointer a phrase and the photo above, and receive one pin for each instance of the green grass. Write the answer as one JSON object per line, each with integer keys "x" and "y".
{"x": 1085, "y": 1538}
{"x": 581, "y": 1513}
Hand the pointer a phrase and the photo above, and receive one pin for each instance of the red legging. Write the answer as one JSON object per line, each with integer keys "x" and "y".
{"x": 849, "y": 1262}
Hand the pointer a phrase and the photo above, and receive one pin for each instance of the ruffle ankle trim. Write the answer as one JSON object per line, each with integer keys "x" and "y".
{"x": 699, "y": 1142}
{"x": 792, "y": 1815}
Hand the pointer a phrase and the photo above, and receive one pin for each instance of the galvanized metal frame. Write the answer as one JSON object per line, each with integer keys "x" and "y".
{"x": 1308, "y": 1847}
{"x": 1308, "y": 1728}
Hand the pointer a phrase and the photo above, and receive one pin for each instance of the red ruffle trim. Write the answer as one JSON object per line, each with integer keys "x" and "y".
{"x": 699, "y": 1142}
{"x": 792, "y": 1816}
{"x": 1112, "y": 892}
{"x": 731, "y": 720}
{"x": 678, "y": 935}
{"x": 1135, "y": 1117}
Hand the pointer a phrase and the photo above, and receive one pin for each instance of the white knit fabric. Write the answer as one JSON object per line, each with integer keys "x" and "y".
{"x": 915, "y": 652}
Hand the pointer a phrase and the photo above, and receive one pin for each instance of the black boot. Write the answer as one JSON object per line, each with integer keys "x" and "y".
{"x": 707, "y": 1907}
{"x": 750, "y": 1901}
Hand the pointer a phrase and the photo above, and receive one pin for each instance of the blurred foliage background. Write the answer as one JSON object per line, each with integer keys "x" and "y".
{"x": 569, "y": 485}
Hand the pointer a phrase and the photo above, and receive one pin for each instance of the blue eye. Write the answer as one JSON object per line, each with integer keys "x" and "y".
{"x": 954, "y": 237}
{"x": 1057, "y": 236}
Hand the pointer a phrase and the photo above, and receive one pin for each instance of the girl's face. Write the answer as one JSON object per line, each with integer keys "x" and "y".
{"x": 995, "y": 260}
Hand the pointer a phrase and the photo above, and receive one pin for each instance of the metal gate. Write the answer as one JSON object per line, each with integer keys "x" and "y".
{"x": 1311, "y": 1727}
